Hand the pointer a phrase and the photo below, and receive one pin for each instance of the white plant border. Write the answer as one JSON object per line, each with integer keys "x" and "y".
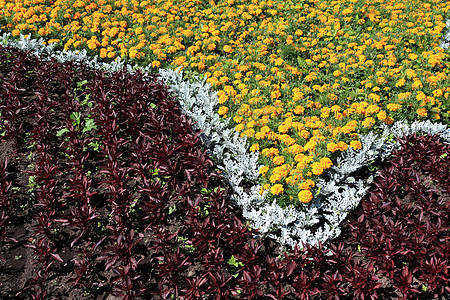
{"x": 334, "y": 199}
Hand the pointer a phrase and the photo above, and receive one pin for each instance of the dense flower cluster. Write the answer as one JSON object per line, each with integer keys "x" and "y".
{"x": 305, "y": 79}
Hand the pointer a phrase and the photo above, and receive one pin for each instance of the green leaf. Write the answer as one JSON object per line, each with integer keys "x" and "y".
{"x": 89, "y": 125}
{"x": 81, "y": 83}
{"x": 232, "y": 261}
{"x": 76, "y": 117}
{"x": 172, "y": 209}
{"x": 62, "y": 132}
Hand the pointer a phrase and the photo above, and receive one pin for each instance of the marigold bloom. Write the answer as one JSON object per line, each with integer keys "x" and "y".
{"x": 393, "y": 106}
{"x": 342, "y": 146}
{"x": 332, "y": 147}
{"x": 270, "y": 152}
{"x": 239, "y": 127}
{"x": 254, "y": 148}
{"x": 382, "y": 115}
{"x": 422, "y": 112}
{"x": 275, "y": 178}
{"x": 263, "y": 170}
{"x": 388, "y": 121}
{"x": 368, "y": 122}
{"x": 316, "y": 168}
{"x": 371, "y": 109}
{"x": 326, "y": 163}
{"x": 223, "y": 110}
{"x": 227, "y": 49}
{"x": 305, "y": 196}
{"x": 356, "y": 145}
{"x": 277, "y": 189}
{"x": 278, "y": 160}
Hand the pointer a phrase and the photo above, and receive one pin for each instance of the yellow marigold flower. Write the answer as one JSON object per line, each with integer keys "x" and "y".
{"x": 437, "y": 93}
{"x": 393, "y": 106}
{"x": 304, "y": 161}
{"x": 282, "y": 170}
{"x": 342, "y": 146}
{"x": 317, "y": 168}
{"x": 211, "y": 46}
{"x": 249, "y": 132}
{"x": 275, "y": 178}
{"x": 103, "y": 53}
{"x": 368, "y": 122}
{"x": 422, "y": 112}
{"x": 307, "y": 184}
{"x": 335, "y": 108}
{"x": 156, "y": 63}
{"x": 299, "y": 157}
{"x": 270, "y": 152}
{"x": 310, "y": 145}
{"x": 275, "y": 94}
{"x": 223, "y": 110}
{"x": 371, "y": 109}
{"x": 227, "y": 49}
{"x": 278, "y": 160}
{"x": 326, "y": 163}
{"x": 382, "y": 115}
{"x": 356, "y": 145}
{"x": 239, "y": 127}
{"x": 238, "y": 119}
{"x": 263, "y": 170}
{"x": 283, "y": 128}
{"x": 254, "y": 148}
{"x": 416, "y": 84}
{"x": 286, "y": 139}
{"x": 305, "y": 196}
{"x": 299, "y": 110}
{"x": 259, "y": 135}
{"x": 332, "y": 147}
{"x": 265, "y": 129}
{"x": 295, "y": 149}
{"x": 420, "y": 96}
{"x": 277, "y": 189}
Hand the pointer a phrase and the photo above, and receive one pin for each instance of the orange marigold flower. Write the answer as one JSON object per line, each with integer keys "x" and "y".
{"x": 299, "y": 110}
{"x": 393, "y": 106}
{"x": 254, "y": 148}
{"x": 356, "y": 145}
{"x": 277, "y": 189}
{"x": 368, "y": 122}
{"x": 223, "y": 110}
{"x": 332, "y": 147}
{"x": 275, "y": 178}
{"x": 382, "y": 115}
{"x": 326, "y": 162}
{"x": 422, "y": 112}
{"x": 342, "y": 146}
{"x": 278, "y": 160}
{"x": 317, "y": 168}
{"x": 227, "y": 49}
{"x": 305, "y": 196}
{"x": 388, "y": 121}
{"x": 263, "y": 170}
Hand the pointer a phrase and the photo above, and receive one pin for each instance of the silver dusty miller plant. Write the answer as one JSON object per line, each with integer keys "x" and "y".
{"x": 321, "y": 218}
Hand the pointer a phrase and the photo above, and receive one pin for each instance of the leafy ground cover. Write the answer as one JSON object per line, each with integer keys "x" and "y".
{"x": 106, "y": 191}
